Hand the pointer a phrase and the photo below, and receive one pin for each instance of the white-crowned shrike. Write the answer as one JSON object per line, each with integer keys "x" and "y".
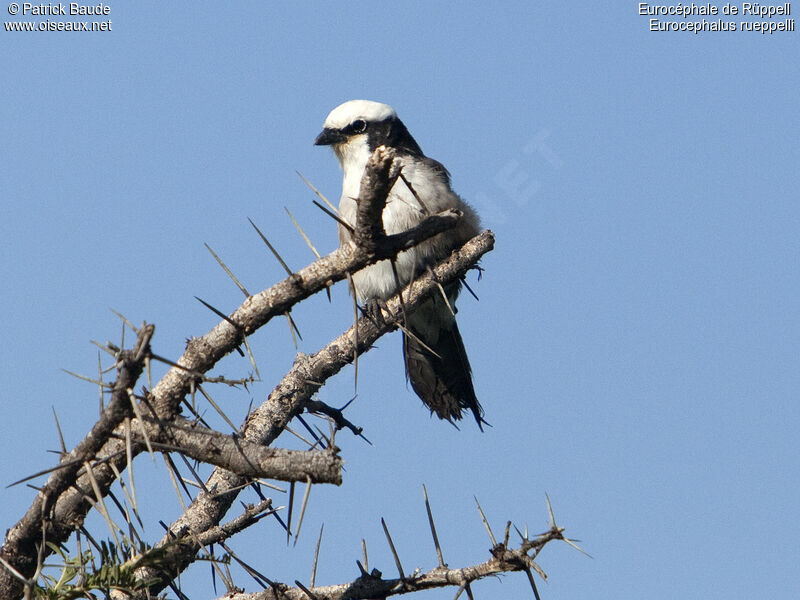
{"x": 436, "y": 362}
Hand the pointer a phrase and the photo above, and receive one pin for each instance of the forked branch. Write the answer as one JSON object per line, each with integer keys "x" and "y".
{"x": 62, "y": 505}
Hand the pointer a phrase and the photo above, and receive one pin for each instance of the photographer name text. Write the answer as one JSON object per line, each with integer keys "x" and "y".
{"x": 72, "y": 9}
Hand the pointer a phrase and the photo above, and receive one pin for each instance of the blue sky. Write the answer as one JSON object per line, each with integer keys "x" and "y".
{"x": 637, "y": 339}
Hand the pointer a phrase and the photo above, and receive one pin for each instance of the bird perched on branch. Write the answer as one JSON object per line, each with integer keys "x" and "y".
{"x": 435, "y": 359}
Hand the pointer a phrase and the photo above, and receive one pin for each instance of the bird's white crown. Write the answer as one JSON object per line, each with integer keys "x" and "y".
{"x": 346, "y": 113}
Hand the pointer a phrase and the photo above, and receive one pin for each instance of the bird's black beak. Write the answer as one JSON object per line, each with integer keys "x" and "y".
{"x": 329, "y": 137}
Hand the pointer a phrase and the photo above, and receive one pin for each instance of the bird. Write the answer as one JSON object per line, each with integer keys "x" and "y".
{"x": 436, "y": 361}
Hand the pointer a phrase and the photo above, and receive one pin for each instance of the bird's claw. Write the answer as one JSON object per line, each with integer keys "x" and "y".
{"x": 373, "y": 310}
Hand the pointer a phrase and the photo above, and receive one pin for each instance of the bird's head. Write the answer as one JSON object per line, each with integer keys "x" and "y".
{"x": 354, "y": 129}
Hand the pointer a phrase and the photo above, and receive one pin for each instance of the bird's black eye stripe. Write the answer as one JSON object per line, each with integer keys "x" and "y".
{"x": 357, "y": 126}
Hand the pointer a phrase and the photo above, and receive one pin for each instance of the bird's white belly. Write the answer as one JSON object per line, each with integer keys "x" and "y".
{"x": 402, "y": 212}
{"x": 378, "y": 280}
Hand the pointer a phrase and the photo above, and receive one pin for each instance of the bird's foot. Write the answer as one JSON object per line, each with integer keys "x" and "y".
{"x": 373, "y": 310}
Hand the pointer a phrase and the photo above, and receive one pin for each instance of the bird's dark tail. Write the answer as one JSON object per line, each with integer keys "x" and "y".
{"x": 437, "y": 365}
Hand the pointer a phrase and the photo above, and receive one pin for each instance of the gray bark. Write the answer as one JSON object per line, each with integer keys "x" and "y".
{"x": 61, "y": 507}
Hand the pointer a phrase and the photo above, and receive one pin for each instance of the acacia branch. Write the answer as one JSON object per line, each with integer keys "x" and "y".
{"x": 251, "y": 515}
{"x": 20, "y": 549}
{"x": 241, "y": 456}
{"x": 372, "y": 195}
{"x": 202, "y": 353}
{"x": 68, "y": 512}
{"x": 130, "y": 364}
{"x": 308, "y": 374}
{"x": 372, "y": 585}
{"x": 288, "y": 399}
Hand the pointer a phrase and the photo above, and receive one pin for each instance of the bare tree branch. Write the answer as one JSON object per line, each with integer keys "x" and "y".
{"x": 20, "y": 549}
{"x": 307, "y": 375}
{"x": 375, "y": 186}
{"x": 69, "y": 494}
{"x": 288, "y": 399}
{"x": 372, "y": 585}
{"x": 250, "y": 516}
{"x": 241, "y": 456}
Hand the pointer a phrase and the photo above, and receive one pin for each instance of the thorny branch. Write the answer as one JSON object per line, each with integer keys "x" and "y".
{"x": 239, "y": 455}
{"x": 70, "y": 493}
{"x": 307, "y": 375}
{"x": 20, "y": 550}
{"x": 373, "y": 585}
